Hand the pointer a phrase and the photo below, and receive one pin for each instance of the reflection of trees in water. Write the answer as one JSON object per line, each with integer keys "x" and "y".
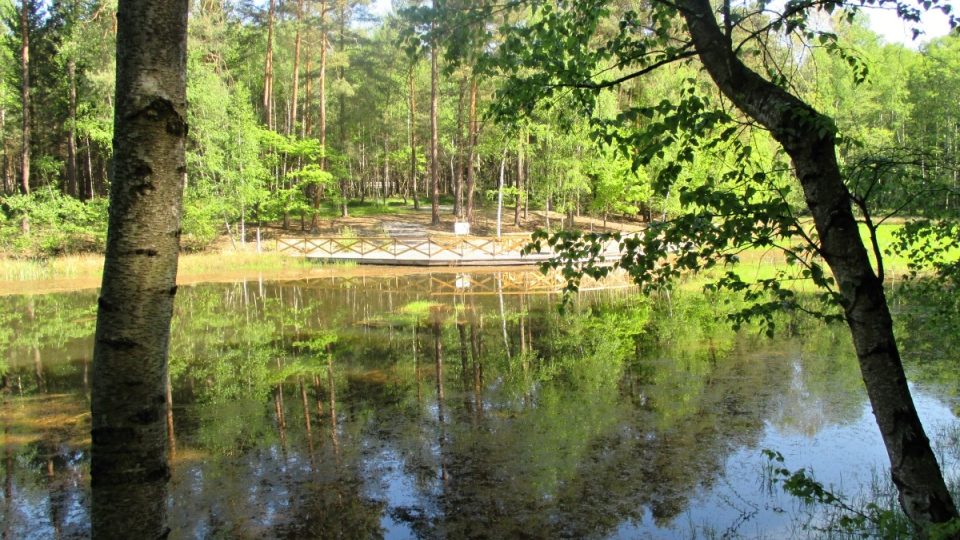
{"x": 286, "y": 398}
{"x": 579, "y": 464}
{"x": 927, "y": 316}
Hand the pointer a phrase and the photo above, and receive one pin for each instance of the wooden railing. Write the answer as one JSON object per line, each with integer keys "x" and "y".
{"x": 481, "y": 282}
{"x": 434, "y": 249}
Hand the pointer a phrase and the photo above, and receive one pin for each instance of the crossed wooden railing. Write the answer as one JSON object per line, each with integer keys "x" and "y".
{"x": 426, "y": 250}
{"x": 446, "y": 283}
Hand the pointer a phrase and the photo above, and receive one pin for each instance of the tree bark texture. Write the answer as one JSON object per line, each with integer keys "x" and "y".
{"x": 323, "y": 110}
{"x": 25, "y": 96}
{"x": 129, "y": 465}
{"x": 472, "y": 151}
{"x": 342, "y": 101}
{"x": 434, "y": 139}
{"x": 268, "y": 69}
{"x": 72, "y": 184}
{"x": 296, "y": 70}
{"x": 413, "y": 140}
{"x": 457, "y": 174}
{"x": 797, "y": 127}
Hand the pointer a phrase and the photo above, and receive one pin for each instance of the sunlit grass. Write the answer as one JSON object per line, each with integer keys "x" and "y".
{"x": 91, "y": 266}
{"x": 211, "y": 263}
{"x": 68, "y": 266}
{"x": 373, "y": 207}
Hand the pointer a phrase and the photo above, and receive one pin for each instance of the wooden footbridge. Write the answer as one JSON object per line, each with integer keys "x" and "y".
{"x": 430, "y": 250}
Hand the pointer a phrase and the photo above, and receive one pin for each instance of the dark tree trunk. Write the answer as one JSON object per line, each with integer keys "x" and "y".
{"x": 9, "y": 186}
{"x": 323, "y": 110}
{"x": 434, "y": 139}
{"x": 458, "y": 155}
{"x": 342, "y": 100}
{"x": 25, "y": 96}
{"x": 72, "y": 184}
{"x": 518, "y": 183}
{"x": 413, "y": 142}
{"x": 129, "y": 465}
{"x": 797, "y": 127}
{"x": 268, "y": 69}
{"x": 471, "y": 152}
{"x": 296, "y": 70}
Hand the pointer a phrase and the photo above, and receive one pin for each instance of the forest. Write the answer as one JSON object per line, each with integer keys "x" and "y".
{"x": 720, "y": 132}
{"x": 299, "y": 110}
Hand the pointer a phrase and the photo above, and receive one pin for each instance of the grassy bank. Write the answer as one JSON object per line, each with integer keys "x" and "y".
{"x": 91, "y": 266}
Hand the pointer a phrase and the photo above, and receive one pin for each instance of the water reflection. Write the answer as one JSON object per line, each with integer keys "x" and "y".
{"x": 420, "y": 407}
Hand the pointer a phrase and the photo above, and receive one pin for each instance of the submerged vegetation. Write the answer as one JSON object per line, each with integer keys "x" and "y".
{"x": 620, "y": 414}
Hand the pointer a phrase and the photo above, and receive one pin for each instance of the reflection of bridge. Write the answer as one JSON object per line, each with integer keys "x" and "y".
{"x": 474, "y": 283}
{"x": 433, "y": 250}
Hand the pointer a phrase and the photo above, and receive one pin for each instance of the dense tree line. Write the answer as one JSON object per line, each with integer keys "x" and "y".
{"x": 299, "y": 107}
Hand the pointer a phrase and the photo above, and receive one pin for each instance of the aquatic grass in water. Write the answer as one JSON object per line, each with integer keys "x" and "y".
{"x": 622, "y": 417}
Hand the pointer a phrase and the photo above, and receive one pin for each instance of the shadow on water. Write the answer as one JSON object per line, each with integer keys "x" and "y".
{"x": 444, "y": 406}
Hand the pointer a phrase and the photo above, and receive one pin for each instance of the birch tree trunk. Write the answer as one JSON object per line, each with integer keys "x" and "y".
{"x": 129, "y": 465}
{"x": 797, "y": 127}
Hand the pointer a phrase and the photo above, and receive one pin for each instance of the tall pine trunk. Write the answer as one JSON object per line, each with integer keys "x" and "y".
{"x": 25, "y": 96}
{"x": 434, "y": 138}
{"x": 268, "y": 69}
{"x": 471, "y": 151}
{"x": 413, "y": 141}
{"x": 797, "y": 127}
{"x": 323, "y": 110}
{"x": 457, "y": 172}
{"x": 296, "y": 70}
{"x": 72, "y": 184}
{"x": 129, "y": 465}
{"x": 341, "y": 118}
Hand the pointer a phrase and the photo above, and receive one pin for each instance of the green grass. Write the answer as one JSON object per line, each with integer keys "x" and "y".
{"x": 371, "y": 207}
{"x": 91, "y": 266}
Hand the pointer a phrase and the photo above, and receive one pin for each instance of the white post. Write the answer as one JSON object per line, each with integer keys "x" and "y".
{"x": 503, "y": 162}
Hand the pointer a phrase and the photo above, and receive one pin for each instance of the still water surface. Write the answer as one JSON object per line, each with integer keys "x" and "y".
{"x": 450, "y": 406}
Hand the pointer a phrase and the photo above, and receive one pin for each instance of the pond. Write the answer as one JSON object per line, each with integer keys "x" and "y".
{"x": 453, "y": 406}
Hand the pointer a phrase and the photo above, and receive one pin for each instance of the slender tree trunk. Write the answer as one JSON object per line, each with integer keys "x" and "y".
{"x": 296, "y": 70}
{"x": 503, "y": 165}
{"x": 72, "y": 187}
{"x": 306, "y": 126}
{"x": 323, "y": 109}
{"x": 471, "y": 153}
{"x": 458, "y": 138}
{"x": 797, "y": 126}
{"x": 341, "y": 118}
{"x": 434, "y": 138}
{"x": 268, "y": 69}
{"x": 89, "y": 187}
{"x": 8, "y": 183}
{"x": 386, "y": 168}
{"x": 25, "y": 96}
{"x": 129, "y": 466}
{"x": 518, "y": 183}
{"x": 413, "y": 141}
